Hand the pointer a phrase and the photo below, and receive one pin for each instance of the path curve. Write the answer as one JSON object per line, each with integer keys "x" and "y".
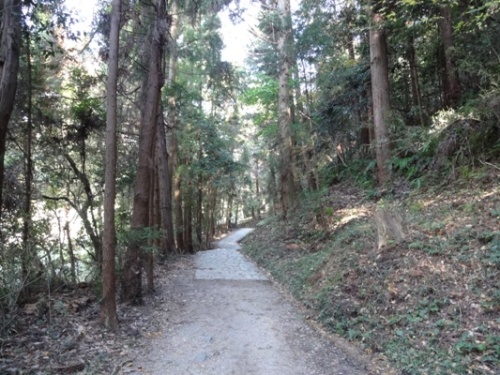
{"x": 224, "y": 317}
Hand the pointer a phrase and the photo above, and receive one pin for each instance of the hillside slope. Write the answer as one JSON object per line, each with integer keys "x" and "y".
{"x": 429, "y": 305}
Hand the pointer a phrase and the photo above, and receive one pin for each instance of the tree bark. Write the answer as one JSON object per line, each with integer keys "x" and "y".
{"x": 188, "y": 219}
{"x": 132, "y": 280}
{"x": 28, "y": 172}
{"x": 148, "y": 255}
{"x": 71, "y": 253}
{"x": 451, "y": 85}
{"x": 172, "y": 145}
{"x": 287, "y": 184}
{"x": 10, "y": 40}
{"x": 179, "y": 212}
{"x": 380, "y": 95}
{"x": 165, "y": 178}
{"x": 108, "y": 304}
{"x": 415, "y": 83}
{"x": 199, "y": 208}
{"x": 390, "y": 227}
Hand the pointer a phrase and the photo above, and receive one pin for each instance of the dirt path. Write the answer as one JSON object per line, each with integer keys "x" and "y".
{"x": 222, "y": 316}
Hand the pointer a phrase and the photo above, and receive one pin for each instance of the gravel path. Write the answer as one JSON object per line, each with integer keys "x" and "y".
{"x": 223, "y": 316}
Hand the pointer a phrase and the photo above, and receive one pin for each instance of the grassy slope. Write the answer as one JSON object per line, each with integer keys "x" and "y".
{"x": 430, "y": 305}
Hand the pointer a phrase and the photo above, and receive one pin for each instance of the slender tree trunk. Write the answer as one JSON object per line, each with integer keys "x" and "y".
{"x": 229, "y": 210}
{"x": 132, "y": 280}
{"x": 257, "y": 187}
{"x": 148, "y": 255}
{"x": 287, "y": 185}
{"x": 199, "y": 209}
{"x": 10, "y": 40}
{"x": 213, "y": 218}
{"x": 172, "y": 145}
{"x": 62, "y": 260}
{"x": 179, "y": 212}
{"x": 199, "y": 195}
{"x": 451, "y": 83}
{"x": 165, "y": 178}
{"x": 415, "y": 83}
{"x": 71, "y": 254}
{"x": 89, "y": 223}
{"x": 28, "y": 172}
{"x": 273, "y": 189}
{"x": 108, "y": 304}
{"x": 209, "y": 216}
{"x": 310, "y": 154}
{"x": 380, "y": 95}
{"x": 188, "y": 219}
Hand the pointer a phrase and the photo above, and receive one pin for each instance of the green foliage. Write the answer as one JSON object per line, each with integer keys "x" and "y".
{"x": 144, "y": 237}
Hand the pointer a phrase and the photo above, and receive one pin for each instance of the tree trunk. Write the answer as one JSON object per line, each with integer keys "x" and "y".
{"x": 188, "y": 219}
{"x": 10, "y": 40}
{"x": 172, "y": 145}
{"x": 257, "y": 188}
{"x": 28, "y": 172}
{"x": 132, "y": 281}
{"x": 273, "y": 189}
{"x": 313, "y": 182}
{"x": 165, "y": 178}
{"x": 199, "y": 194}
{"x": 390, "y": 227}
{"x": 451, "y": 85}
{"x": 380, "y": 96}
{"x": 89, "y": 223}
{"x": 148, "y": 255}
{"x": 179, "y": 213}
{"x": 229, "y": 211}
{"x": 415, "y": 84}
{"x": 72, "y": 258}
{"x": 287, "y": 184}
{"x": 199, "y": 209}
{"x": 108, "y": 304}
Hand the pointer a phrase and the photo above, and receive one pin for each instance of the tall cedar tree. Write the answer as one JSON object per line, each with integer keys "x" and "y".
{"x": 108, "y": 303}
{"x": 10, "y": 40}
{"x": 131, "y": 280}
{"x": 287, "y": 187}
{"x": 380, "y": 94}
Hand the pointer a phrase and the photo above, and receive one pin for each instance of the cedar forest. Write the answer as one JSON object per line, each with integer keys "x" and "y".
{"x": 131, "y": 143}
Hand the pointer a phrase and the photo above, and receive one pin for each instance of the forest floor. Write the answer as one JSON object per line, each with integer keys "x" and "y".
{"x": 427, "y": 305}
{"x": 214, "y": 313}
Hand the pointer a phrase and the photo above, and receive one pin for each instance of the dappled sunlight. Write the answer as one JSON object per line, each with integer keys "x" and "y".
{"x": 348, "y": 215}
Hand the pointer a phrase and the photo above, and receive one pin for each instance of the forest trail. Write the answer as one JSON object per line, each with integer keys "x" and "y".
{"x": 222, "y": 316}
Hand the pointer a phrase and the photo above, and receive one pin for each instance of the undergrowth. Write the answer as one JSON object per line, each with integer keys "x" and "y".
{"x": 430, "y": 305}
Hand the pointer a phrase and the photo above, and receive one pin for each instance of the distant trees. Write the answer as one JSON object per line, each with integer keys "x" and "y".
{"x": 74, "y": 207}
{"x": 372, "y": 74}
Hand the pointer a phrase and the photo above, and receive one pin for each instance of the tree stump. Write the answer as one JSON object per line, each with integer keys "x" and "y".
{"x": 390, "y": 227}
